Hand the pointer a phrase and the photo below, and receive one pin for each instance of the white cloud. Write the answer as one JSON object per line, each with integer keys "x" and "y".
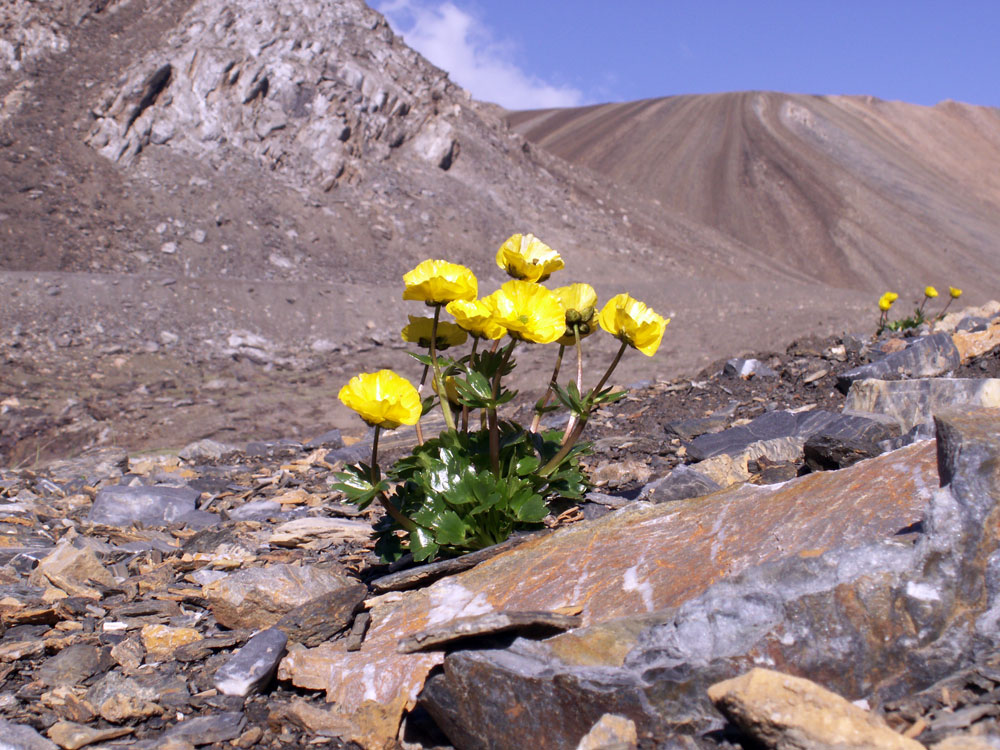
{"x": 461, "y": 44}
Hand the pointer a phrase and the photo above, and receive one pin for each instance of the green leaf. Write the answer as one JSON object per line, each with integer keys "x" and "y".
{"x": 451, "y": 530}
{"x": 422, "y": 544}
{"x": 527, "y": 465}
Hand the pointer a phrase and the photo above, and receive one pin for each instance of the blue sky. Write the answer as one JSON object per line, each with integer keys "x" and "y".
{"x": 526, "y": 54}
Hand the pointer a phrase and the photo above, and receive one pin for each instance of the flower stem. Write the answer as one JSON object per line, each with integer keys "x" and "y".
{"x": 548, "y": 392}
{"x": 390, "y": 508}
{"x": 449, "y": 420}
{"x": 572, "y": 436}
{"x": 465, "y": 408}
{"x": 579, "y": 380}
{"x": 492, "y": 415}
{"x": 420, "y": 390}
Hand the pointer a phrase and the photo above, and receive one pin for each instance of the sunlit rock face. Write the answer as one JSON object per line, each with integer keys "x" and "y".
{"x": 630, "y": 568}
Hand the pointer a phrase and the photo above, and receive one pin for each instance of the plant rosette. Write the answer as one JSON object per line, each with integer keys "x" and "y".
{"x": 471, "y": 488}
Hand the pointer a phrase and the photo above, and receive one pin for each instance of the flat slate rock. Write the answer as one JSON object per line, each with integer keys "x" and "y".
{"x": 21, "y": 737}
{"x": 546, "y": 623}
{"x": 252, "y": 666}
{"x": 682, "y": 483}
{"x": 321, "y": 619}
{"x": 768, "y": 426}
{"x": 914, "y": 402}
{"x": 926, "y": 357}
{"x": 123, "y": 505}
{"x": 849, "y": 439}
{"x": 209, "y": 730}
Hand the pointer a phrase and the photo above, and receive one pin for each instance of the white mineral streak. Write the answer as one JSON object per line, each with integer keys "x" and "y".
{"x": 450, "y": 600}
{"x": 631, "y": 583}
{"x": 922, "y": 591}
{"x": 368, "y": 681}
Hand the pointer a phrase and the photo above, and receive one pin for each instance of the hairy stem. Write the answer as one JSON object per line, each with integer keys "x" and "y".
{"x": 389, "y": 506}
{"x": 449, "y": 420}
{"x": 544, "y": 401}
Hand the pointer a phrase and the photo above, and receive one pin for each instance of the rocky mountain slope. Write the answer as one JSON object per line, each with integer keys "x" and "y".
{"x": 205, "y": 200}
{"x": 853, "y": 191}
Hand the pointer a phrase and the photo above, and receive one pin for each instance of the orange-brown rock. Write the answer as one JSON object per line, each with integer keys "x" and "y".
{"x": 791, "y": 713}
{"x": 639, "y": 560}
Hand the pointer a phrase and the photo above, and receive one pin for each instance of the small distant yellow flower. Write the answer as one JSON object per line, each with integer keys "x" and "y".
{"x": 438, "y": 282}
{"x": 419, "y": 332}
{"x": 383, "y": 399}
{"x": 631, "y": 321}
{"x": 886, "y": 300}
{"x": 528, "y": 311}
{"x": 580, "y": 303}
{"x": 527, "y": 258}
{"x": 930, "y": 292}
{"x": 955, "y": 293}
{"x": 475, "y": 318}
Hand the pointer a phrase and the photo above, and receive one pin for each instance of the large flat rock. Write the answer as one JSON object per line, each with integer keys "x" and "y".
{"x": 878, "y": 619}
{"x": 640, "y": 560}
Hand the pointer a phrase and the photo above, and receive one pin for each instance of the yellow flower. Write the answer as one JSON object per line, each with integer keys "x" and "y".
{"x": 450, "y": 390}
{"x": 955, "y": 293}
{"x": 930, "y": 292}
{"x": 383, "y": 399}
{"x": 580, "y": 303}
{"x": 528, "y": 311}
{"x": 419, "y": 332}
{"x": 437, "y": 282}
{"x": 475, "y": 318}
{"x": 527, "y": 258}
{"x": 632, "y": 322}
{"x": 886, "y": 300}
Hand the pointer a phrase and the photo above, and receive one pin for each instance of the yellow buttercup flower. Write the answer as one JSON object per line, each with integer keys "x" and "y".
{"x": 580, "y": 303}
{"x": 527, "y": 258}
{"x": 438, "y": 282}
{"x": 930, "y": 292}
{"x": 419, "y": 332}
{"x": 475, "y": 317}
{"x": 450, "y": 390}
{"x": 383, "y": 399}
{"x": 886, "y": 300}
{"x": 955, "y": 293}
{"x": 632, "y": 322}
{"x": 528, "y": 311}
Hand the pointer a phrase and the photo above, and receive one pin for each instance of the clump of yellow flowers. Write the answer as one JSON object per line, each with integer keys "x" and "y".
{"x": 470, "y": 488}
{"x": 919, "y": 316}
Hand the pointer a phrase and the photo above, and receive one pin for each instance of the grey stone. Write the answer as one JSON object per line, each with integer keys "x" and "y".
{"x": 350, "y": 454}
{"x": 926, "y": 357}
{"x": 21, "y": 737}
{"x": 252, "y": 667}
{"x": 73, "y": 665}
{"x": 205, "y": 449}
{"x": 280, "y": 447}
{"x": 768, "y": 426}
{"x": 914, "y": 402}
{"x": 687, "y": 429}
{"x": 208, "y": 730}
{"x": 682, "y": 483}
{"x": 847, "y": 440}
{"x": 973, "y": 324}
{"x": 91, "y": 467}
{"x": 324, "y": 617}
{"x": 331, "y": 439}
{"x": 121, "y": 505}
{"x": 256, "y": 510}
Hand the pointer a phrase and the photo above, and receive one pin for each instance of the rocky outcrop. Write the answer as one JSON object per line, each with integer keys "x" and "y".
{"x": 879, "y": 618}
{"x": 283, "y": 85}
